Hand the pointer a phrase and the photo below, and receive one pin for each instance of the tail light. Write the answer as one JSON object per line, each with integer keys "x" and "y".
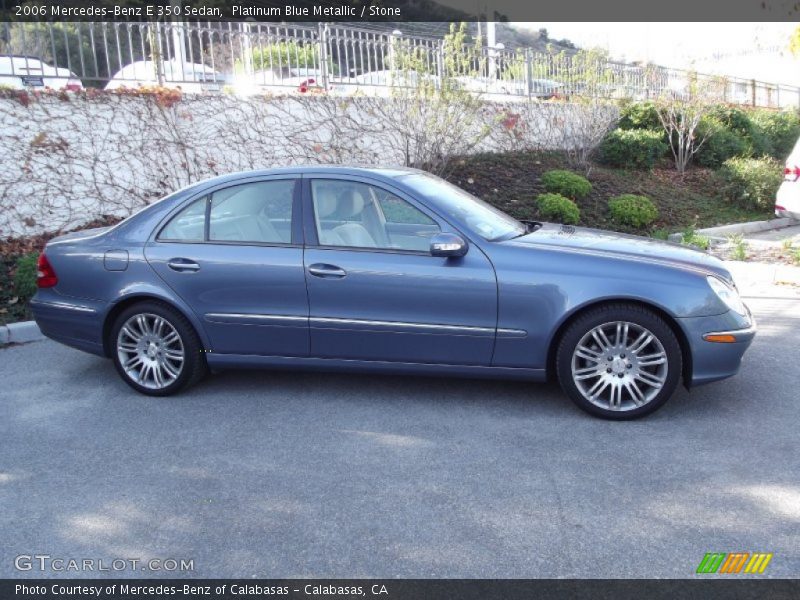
{"x": 45, "y": 274}
{"x": 791, "y": 173}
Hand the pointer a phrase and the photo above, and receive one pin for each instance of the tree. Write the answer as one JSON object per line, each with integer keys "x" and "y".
{"x": 433, "y": 118}
{"x": 794, "y": 42}
{"x": 681, "y": 113}
{"x": 283, "y": 55}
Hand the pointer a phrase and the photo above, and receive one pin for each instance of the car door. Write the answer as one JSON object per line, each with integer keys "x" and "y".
{"x": 235, "y": 256}
{"x": 375, "y": 291}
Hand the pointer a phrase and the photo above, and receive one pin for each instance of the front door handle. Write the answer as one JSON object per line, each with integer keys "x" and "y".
{"x": 182, "y": 264}
{"x": 327, "y": 271}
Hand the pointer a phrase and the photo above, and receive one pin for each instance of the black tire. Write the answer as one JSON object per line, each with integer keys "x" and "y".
{"x": 610, "y": 314}
{"x": 194, "y": 363}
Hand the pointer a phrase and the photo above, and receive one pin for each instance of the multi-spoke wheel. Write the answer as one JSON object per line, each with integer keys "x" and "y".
{"x": 619, "y": 361}
{"x": 150, "y": 350}
{"x": 156, "y": 350}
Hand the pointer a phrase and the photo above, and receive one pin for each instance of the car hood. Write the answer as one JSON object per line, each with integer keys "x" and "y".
{"x": 620, "y": 245}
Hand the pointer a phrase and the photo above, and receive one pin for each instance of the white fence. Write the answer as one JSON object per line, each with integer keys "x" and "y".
{"x": 338, "y": 58}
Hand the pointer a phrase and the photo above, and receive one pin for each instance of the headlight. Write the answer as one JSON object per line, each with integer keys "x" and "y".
{"x": 727, "y": 294}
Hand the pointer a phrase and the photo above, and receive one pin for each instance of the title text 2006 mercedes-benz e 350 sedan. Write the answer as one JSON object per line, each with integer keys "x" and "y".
{"x": 388, "y": 270}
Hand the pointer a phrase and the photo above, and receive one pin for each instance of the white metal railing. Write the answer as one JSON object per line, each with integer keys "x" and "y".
{"x": 256, "y": 57}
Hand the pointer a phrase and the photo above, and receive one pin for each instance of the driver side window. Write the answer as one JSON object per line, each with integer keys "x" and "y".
{"x": 357, "y": 215}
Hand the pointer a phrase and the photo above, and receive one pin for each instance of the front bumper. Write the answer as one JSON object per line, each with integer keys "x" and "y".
{"x": 716, "y": 360}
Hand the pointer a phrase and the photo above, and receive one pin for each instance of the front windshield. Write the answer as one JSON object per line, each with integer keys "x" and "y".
{"x": 480, "y": 217}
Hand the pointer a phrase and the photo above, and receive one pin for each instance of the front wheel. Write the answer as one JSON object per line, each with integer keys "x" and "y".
{"x": 619, "y": 361}
{"x": 155, "y": 349}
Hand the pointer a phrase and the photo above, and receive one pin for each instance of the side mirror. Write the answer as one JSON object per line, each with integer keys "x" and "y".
{"x": 448, "y": 245}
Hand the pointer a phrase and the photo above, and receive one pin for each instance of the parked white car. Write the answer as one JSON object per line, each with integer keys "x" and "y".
{"x": 25, "y": 72}
{"x": 787, "y": 201}
{"x": 281, "y": 81}
{"x": 186, "y": 76}
{"x": 540, "y": 88}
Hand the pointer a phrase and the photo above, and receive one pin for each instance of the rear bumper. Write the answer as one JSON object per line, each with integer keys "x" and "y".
{"x": 787, "y": 200}
{"x": 713, "y": 361}
{"x": 73, "y": 322}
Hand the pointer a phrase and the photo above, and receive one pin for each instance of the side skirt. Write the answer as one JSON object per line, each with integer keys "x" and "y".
{"x": 242, "y": 361}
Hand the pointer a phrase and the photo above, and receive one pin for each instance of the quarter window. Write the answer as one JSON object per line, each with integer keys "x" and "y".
{"x": 188, "y": 225}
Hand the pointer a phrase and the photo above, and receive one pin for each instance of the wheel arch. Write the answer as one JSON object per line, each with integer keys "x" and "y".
{"x": 686, "y": 352}
{"x": 138, "y": 297}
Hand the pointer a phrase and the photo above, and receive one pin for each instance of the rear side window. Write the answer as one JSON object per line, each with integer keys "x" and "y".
{"x": 259, "y": 212}
{"x": 188, "y": 225}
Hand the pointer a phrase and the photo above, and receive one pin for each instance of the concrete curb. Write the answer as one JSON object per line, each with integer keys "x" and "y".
{"x": 718, "y": 235}
{"x": 751, "y": 227}
{"x": 18, "y": 333}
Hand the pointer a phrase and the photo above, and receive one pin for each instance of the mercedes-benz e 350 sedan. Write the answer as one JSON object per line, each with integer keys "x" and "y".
{"x": 388, "y": 270}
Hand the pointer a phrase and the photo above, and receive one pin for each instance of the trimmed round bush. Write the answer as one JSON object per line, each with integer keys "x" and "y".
{"x": 632, "y": 148}
{"x": 558, "y": 208}
{"x": 566, "y": 183}
{"x": 752, "y": 182}
{"x": 636, "y": 211}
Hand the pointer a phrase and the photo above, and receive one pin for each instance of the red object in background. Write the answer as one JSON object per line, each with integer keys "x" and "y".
{"x": 303, "y": 88}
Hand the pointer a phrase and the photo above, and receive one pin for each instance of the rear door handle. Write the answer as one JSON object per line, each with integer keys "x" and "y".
{"x": 183, "y": 264}
{"x": 325, "y": 270}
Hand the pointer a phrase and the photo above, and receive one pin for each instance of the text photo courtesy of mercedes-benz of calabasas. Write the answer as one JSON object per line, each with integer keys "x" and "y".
{"x": 388, "y": 270}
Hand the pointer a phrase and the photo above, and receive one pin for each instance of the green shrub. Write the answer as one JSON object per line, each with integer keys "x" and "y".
{"x": 636, "y": 211}
{"x": 720, "y": 144}
{"x": 25, "y": 276}
{"x": 640, "y": 115}
{"x": 632, "y": 148}
{"x": 691, "y": 238}
{"x": 752, "y": 182}
{"x": 740, "y": 122}
{"x": 558, "y": 208}
{"x": 738, "y": 247}
{"x": 566, "y": 183}
{"x": 734, "y": 118}
{"x": 281, "y": 54}
{"x": 781, "y": 130}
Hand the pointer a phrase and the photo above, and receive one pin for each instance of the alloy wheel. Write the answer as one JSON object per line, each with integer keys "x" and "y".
{"x": 150, "y": 351}
{"x": 619, "y": 366}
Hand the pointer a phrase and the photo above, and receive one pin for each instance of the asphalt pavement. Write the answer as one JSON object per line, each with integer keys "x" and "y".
{"x": 278, "y": 474}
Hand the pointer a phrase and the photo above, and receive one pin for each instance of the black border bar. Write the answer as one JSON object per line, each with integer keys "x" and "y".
{"x": 366, "y": 11}
{"x": 733, "y": 588}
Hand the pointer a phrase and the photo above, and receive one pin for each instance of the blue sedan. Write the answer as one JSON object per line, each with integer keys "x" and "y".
{"x": 390, "y": 270}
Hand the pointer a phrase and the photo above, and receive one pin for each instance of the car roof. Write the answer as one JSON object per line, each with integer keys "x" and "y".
{"x": 366, "y": 171}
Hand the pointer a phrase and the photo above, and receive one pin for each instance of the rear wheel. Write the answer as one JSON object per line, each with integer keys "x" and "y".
{"x": 619, "y": 361}
{"x": 156, "y": 350}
